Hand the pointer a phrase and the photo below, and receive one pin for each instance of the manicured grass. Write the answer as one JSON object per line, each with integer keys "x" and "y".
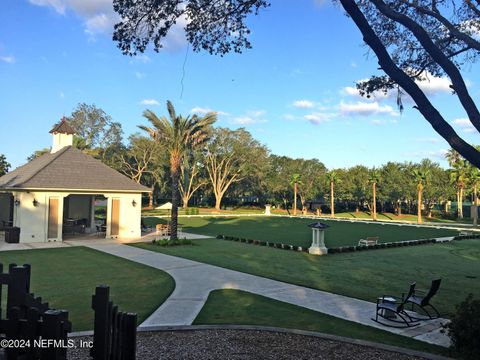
{"x": 66, "y": 278}
{"x": 363, "y": 275}
{"x": 244, "y": 308}
{"x": 296, "y": 232}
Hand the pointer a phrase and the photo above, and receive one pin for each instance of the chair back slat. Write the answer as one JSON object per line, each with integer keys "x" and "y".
{"x": 411, "y": 291}
{"x": 433, "y": 290}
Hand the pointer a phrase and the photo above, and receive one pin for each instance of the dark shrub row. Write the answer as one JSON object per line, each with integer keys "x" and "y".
{"x": 465, "y": 237}
{"x": 263, "y": 243}
{"x": 344, "y": 249}
{"x": 341, "y": 249}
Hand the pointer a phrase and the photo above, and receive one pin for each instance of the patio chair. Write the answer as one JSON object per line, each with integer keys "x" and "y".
{"x": 392, "y": 310}
{"x": 420, "y": 300}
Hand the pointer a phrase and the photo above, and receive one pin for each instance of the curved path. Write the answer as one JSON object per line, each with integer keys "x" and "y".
{"x": 195, "y": 280}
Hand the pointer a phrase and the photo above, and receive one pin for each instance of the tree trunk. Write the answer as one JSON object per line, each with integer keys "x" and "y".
{"x": 218, "y": 201}
{"x": 460, "y": 203}
{"x": 332, "y": 202}
{"x": 174, "y": 220}
{"x": 294, "y": 199}
{"x": 185, "y": 201}
{"x": 475, "y": 206}
{"x": 424, "y": 106}
{"x": 399, "y": 208}
{"x": 150, "y": 199}
{"x": 374, "y": 190}
{"x": 419, "y": 206}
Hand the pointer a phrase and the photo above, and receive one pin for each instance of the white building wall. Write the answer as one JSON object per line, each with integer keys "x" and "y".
{"x": 33, "y": 220}
{"x": 130, "y": 216}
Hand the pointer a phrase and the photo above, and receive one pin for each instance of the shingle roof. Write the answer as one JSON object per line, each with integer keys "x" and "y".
{"x": 63, "y": 127}
{"x": 68, "y": 169}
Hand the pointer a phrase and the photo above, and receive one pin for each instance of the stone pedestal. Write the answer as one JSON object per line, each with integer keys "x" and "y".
{"x": 267, "y": 209}
{"x": 318, "y": 242}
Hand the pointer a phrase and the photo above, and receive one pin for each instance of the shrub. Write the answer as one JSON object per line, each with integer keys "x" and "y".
{"x": 219, "y": 236}
{"x": 351, "y": 248}
{"x": 464, "y": 329}
{"x": 243, "y": 240}
{"x": 295, "y": 248}
{"x": 249, "y": 241}
{"x": 271, "y": 244}
{"x": 263, "y": 243}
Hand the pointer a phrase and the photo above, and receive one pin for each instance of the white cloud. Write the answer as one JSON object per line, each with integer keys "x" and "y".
{"x": 250, "y": 118}
{"x": 58, "y": 5}
{"x": 434, "y": 85}
{"x": 317, "y": 118}
{"x": 303, "y": 104}
{"x": 140, "y": 75}
{"x": 100, "y": 24}
{"x": 152, "y": 102}
{"x": 244, "y": 120}
{"x": 320, "y": 3}
{"x": 204, "y": 110}
{"x": 8, "y": 59}
{"x": 289, "y": 117}
{"x": 142, "y": 58}
{"x": 378, "y": 122}
{"x": 465, "y": 124}
{"x": 365, "y": 108}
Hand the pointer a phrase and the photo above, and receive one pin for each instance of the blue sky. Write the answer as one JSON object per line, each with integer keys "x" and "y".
{"x": 294, "y": 91}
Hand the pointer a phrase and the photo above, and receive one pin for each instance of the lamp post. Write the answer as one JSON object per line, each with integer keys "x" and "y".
{"x": 318, "y": 239}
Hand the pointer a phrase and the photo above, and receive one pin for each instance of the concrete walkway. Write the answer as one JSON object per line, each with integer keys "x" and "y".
{"x": 194, "y": 281}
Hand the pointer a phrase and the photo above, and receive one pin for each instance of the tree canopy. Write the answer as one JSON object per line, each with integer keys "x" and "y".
{"x": 4, "y": 165}
{"x": 412, "y": 39}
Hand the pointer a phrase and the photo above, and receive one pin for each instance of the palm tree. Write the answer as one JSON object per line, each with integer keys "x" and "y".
{"x": 459, "y": 177}
{"x": 421, "y": 177}
{"x": 332, "y": 177}
{"x": 295, "y": 180}
{"x": 374, "y": 178}
{"x": 452, "y": 157}
{"x": 178, "y": 135}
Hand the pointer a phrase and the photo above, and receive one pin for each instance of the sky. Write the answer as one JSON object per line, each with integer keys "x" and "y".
{"x": 294, "y": 91}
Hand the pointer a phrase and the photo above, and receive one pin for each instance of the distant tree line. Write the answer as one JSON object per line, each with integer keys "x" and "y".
{"x": 231, "y": 168}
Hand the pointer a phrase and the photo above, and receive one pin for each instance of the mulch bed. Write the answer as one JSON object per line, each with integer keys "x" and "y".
{"x": 244, "y": 344}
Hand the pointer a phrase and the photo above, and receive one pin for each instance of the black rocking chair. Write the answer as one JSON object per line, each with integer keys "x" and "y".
{"x": 392, "y": 310}
{"x": 421, "y": 301}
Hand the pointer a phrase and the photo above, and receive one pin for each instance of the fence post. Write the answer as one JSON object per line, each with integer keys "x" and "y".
{"x": 17, "y": 287}
{"x": 101, "y": 327}
{"x": 130, "y": 334}
{"x": 54, "y": 329}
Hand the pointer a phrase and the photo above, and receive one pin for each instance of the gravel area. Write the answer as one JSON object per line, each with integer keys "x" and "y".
{"x": 244, "y": 344}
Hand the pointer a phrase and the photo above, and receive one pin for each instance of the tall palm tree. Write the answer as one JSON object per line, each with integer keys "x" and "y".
{"x": 459, "y": 177}
{"x": 295, "y": 180}
{"x": 332, "y": 178}
{"x": 421, "y": 178}
{"x": 178, "y": 135}
{"x": 374, "y": 178}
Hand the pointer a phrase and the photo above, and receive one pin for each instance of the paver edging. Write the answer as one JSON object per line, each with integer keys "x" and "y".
{"x": 282, "y": 330}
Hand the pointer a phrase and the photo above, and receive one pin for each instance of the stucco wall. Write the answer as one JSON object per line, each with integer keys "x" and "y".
{"x": 130, "y": 216}
{"x": 33, "y": 220}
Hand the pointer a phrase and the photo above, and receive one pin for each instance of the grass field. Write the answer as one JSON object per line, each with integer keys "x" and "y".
{"x": 363, "y": 275}
{"x": 296, "y": 232}
{"x": 244, "y": 308}
{"x": 66, "y": 278}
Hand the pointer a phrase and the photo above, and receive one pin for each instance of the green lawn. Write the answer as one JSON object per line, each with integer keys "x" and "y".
{"x": 67, "y": 277}
{"x": 296, "y": 232}
{"x": 363, "y": 275}
{"x": 244, "y": 308}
